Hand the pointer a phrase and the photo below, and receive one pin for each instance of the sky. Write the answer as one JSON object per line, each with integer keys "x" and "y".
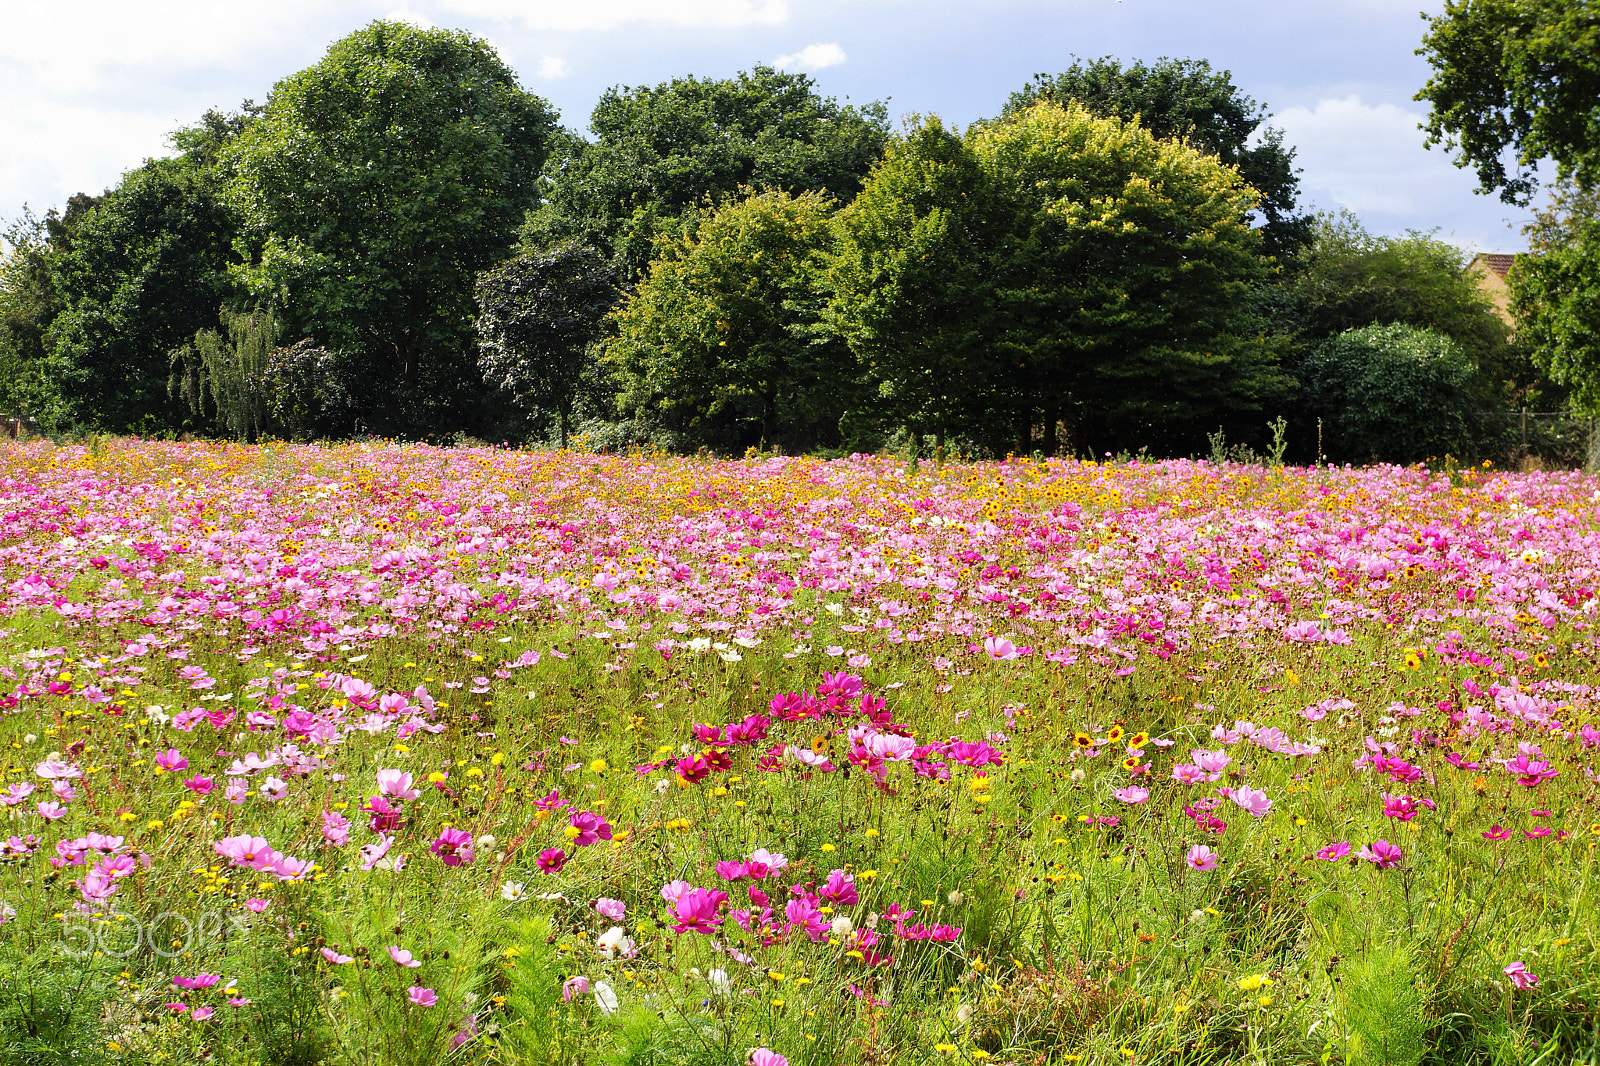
{"x": 91, "y": 88}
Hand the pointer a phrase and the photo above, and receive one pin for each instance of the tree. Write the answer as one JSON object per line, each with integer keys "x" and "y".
{"x": 137, "y": 274}
{"x": 1186, "y": 99}
{"x": 660, "y": 152}
{"x": 912, "y": 280}
{"x": 1392, "y": 392}
{"x": 231, "y": 370}
{"x": 538, "y": 317}
{"x": 1555, "y": 292}
{"x": 1516, "y": 75}
{"x": 1348, "y": 278}
{"x": 1119, "y": 299}
{"x": 378, "y": 184}
{"x": 721, "y": 341}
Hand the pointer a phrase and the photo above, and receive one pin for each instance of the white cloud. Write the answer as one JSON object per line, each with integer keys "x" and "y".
{"x": 812, "y": 57}
{"x": 552, "y": 67}
{"x": 1367, "y": 157}
{"x": 565, "y": 15}
{"x": 407, "y": 15}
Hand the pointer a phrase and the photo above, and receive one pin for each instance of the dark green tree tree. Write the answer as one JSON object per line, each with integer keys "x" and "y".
{"x": 913, "y": 281}
{"x": 1519, "y": 77}
{"x": 659, "y": 152}
{"x": 1120, "y": 298}
{"x": 1555, "y": 292}
{"x": 539, "y": 315}
{"x": 721, "y": 342}
{"x": 1392, "y": 392}
{"x": 137, "y": 274}
{"x": 1348, "y": 278}
{"x": 1186, "y": 98}
{"x": 378, "y": 184}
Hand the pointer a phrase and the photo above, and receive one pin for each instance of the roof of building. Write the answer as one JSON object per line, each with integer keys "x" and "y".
{"x": 1499, "y": 262}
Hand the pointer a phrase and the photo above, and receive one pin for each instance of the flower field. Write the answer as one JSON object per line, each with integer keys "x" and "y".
{"x": 393, "y": 754}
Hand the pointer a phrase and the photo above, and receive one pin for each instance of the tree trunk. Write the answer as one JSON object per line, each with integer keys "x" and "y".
{"x": 1051, "y": 443}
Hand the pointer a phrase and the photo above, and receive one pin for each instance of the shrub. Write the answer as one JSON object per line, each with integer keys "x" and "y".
{"x": 1391, "y": 392}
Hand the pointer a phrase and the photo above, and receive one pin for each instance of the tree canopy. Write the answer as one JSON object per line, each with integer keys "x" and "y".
{"x": 137, "y": 274}
{"x": 377, "y": 184}
{"x": 1519, "y": 77}
{"x": 659, "y": 152}
{"x": 539, "y": 314}
{"x": 1555, "y": 292}
{"x": 1187, "y": 99}
{"x": 720, "y": 343}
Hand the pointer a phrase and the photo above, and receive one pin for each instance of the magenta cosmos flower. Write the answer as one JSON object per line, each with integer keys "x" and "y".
{"x": 454, "y": 846}
{"x": 766, "y": 1057}
{"x": 1335, "y": 851}
{"x": 1201, "y": 858}
{"x": 1381, "y": 854}
{"x": 551, "y": 860}
{"x": 698, "y": 910}
{"x": 1520, "y": 977}
{"x": 590, "y": 827}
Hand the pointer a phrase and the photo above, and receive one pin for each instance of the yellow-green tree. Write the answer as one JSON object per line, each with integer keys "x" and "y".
{"x": 721, "y": 343}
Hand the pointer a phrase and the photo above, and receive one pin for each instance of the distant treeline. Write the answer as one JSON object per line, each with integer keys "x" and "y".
{"x": 403, "y": 242}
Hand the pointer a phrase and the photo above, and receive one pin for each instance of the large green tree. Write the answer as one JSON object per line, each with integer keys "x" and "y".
{"x": 913, "y": 281}
{"x": 721, "y": 343}
{"x": 659, "y": 152}
{"x": 539, "y": 316}
{"x": 137, "y": 274}
{"x": 377, "y": 184}
{"x": 1349, "y": 278}
{"x": 1518, "y": 77}
{"x": 1120, "y": 297}
{"x": 1555, "y": 292}
{"x": 1186, "y": 98}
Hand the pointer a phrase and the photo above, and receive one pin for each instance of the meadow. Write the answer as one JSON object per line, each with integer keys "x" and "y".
{"x": 394, "y": 754}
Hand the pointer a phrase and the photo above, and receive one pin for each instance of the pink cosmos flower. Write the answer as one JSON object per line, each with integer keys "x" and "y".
{"x": 372, "y": 853}
{"x": 1201, "y": 858}
{"x": 551, "y": 860}
{"x": 1520, "y": 977}
{"x": 257, "y": 905}
{"x": 1334, "y": 852}
{"x": 205, "y": 980}
{"x": 766, "y": 1057}
{"x": 673, "y": 890}
{"x": 171, "y": 761}
{"x": 396, "y": 784}
{"x": 574, "y": 986}
{"x": 698, "y": 910}
{"x": 590, "y": 827}
{"x": 200, "y": 1014}
{"x": 245, "y": 850}
{"x": 762, "y": 862}
{"x": 50, "y": 811}
{"x": 1131, "y": 794}
{"x": 422, "y": 997}
{"x": 613, "y": 909}
{"x": 1497, "y": 832}
{"x": 999, "y": 648}
{"x": 200, "y": 786}
{"x": 1253, "y": 800}
{"x": 1381, "y": 854}
{"x": 336, "y": 958}
{"x": 403, "y": 957}
{"x": 335, "y": 828}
